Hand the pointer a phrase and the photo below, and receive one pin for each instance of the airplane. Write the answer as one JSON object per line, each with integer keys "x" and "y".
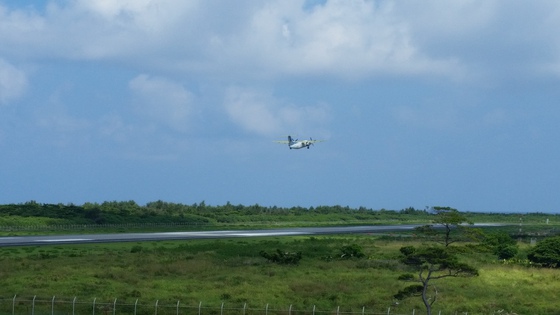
{"x": 298, "y": 144}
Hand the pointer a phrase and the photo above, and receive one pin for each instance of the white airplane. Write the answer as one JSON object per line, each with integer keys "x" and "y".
{"x": 298, "y": 144}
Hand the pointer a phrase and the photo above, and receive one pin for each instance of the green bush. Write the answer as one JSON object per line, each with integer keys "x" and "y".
{"x": 352, "y": 251}
{"x": 136, "y": 249}
{"x": 283, "y": 257}
{"x": 501, "y": 244}
{"x": 506, "y": 251}
{"x": 546, "y": 252}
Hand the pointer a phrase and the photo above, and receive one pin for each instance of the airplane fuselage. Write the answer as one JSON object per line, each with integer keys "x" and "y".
{"x": 300, "y": 145}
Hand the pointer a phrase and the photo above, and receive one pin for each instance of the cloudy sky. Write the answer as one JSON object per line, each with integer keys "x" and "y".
{"x": 422, "y": 103}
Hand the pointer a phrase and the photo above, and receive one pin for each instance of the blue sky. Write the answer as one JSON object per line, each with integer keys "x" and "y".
{"x": 423, "y": 103}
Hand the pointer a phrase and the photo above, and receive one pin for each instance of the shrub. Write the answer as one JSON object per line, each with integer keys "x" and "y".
{"x": 506, "y": 251}
{"x": 546, "y": 252}
{"x": 501, "y": 244}
{"x": 494, "y": 240}
{"x": 352, "y": 251}
{"x": 282, "y": 257}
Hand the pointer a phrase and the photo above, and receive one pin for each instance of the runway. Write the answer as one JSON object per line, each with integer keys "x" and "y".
{"x": 166, "y": 236}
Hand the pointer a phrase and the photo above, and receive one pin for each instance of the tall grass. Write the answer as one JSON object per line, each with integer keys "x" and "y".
{"x": 231, "y": 271}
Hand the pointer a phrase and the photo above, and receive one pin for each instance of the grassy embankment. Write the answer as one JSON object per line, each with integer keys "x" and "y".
{"x": 232, "y": 271}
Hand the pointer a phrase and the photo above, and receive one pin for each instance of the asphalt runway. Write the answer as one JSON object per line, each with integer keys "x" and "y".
{"x": 166, "y": 236}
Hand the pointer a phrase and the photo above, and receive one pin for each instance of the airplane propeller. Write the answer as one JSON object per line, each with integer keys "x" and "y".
{"x": 310, "y": 142}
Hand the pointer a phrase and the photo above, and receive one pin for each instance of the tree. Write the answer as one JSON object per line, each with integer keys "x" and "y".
{"x": 447, "y": 218}
{"x": 430, "y": 263}
{"x": 546, "y": 252}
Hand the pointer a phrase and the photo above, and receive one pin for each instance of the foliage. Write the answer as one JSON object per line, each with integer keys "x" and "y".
{"x": 430, "y": 263}
{"x": 411, "y": 290}
{"x": 496, "y": 239}
{"x": 209, "y": 270}
{"x": 501, "y": 244}
{"x": 282, "y": 257}
{"x": 201, "y": 214}
{"x": 352, "y": 251}
{"x": 506, "y": 251}
{"x": 136, "y": 249}
{"x": 436, "y": 262}
{"x": 449, "y": 219}
{"x": 546, "y": 252}
{"x": 126, "y": 212}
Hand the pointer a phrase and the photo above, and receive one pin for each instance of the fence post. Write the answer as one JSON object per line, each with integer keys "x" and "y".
{"x": 413, "y": 311}
{"x": 177, "y": 307}
{"x": 135, "y": 306}
{"x": 52, "y": 306}
{"x": 156, "y": 306}
{"x": 244, "y": 308}
{"x": 313, "y": 309}
{"x": 388, "y": 311}
{"x": 14, "y": 305}
{"x": 363, "y": 310}
{"x": 74, "y": 306}
{"x": 114, "y": 306}
{"x": 266, "y": 310}
{"x": 222, "y": 309}
{"x": 338, "y": 310}
{"x": 199, "y": 307}
{"x": 290, "y": 310}
{"x": 93, "y": 312}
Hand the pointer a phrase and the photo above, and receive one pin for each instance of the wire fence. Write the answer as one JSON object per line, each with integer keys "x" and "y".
{"x": 35, "y": 305}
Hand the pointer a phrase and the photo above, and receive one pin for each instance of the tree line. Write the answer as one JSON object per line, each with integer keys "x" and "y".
{"x": 119, "y": 212}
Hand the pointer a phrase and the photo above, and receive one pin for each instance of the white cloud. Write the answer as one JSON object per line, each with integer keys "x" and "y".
{"x": 251, "y": 111}
{"x": 94, "y": 29}
{"x": 492, "y": 39}
{"x": 163, "y": 101}
{"x": 111, "y": 9}
{"x": 445, "y": 20}
{"x": 12, "y": 82}
{"x": 350, "y": 38}
{"x": 262, "y": 114}
{"x": 248, "y": 39}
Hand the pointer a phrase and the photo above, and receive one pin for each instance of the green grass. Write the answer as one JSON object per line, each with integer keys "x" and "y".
{"x": 232, "y": 271}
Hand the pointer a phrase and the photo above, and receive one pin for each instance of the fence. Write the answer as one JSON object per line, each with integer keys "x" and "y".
{"x": 73, "y": 306}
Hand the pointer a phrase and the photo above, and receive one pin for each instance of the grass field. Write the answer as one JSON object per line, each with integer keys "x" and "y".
{"x": 232, "y": 271}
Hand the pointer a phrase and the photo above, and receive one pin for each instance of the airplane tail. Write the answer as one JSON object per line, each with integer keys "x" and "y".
{"x": 290, "y": 140}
